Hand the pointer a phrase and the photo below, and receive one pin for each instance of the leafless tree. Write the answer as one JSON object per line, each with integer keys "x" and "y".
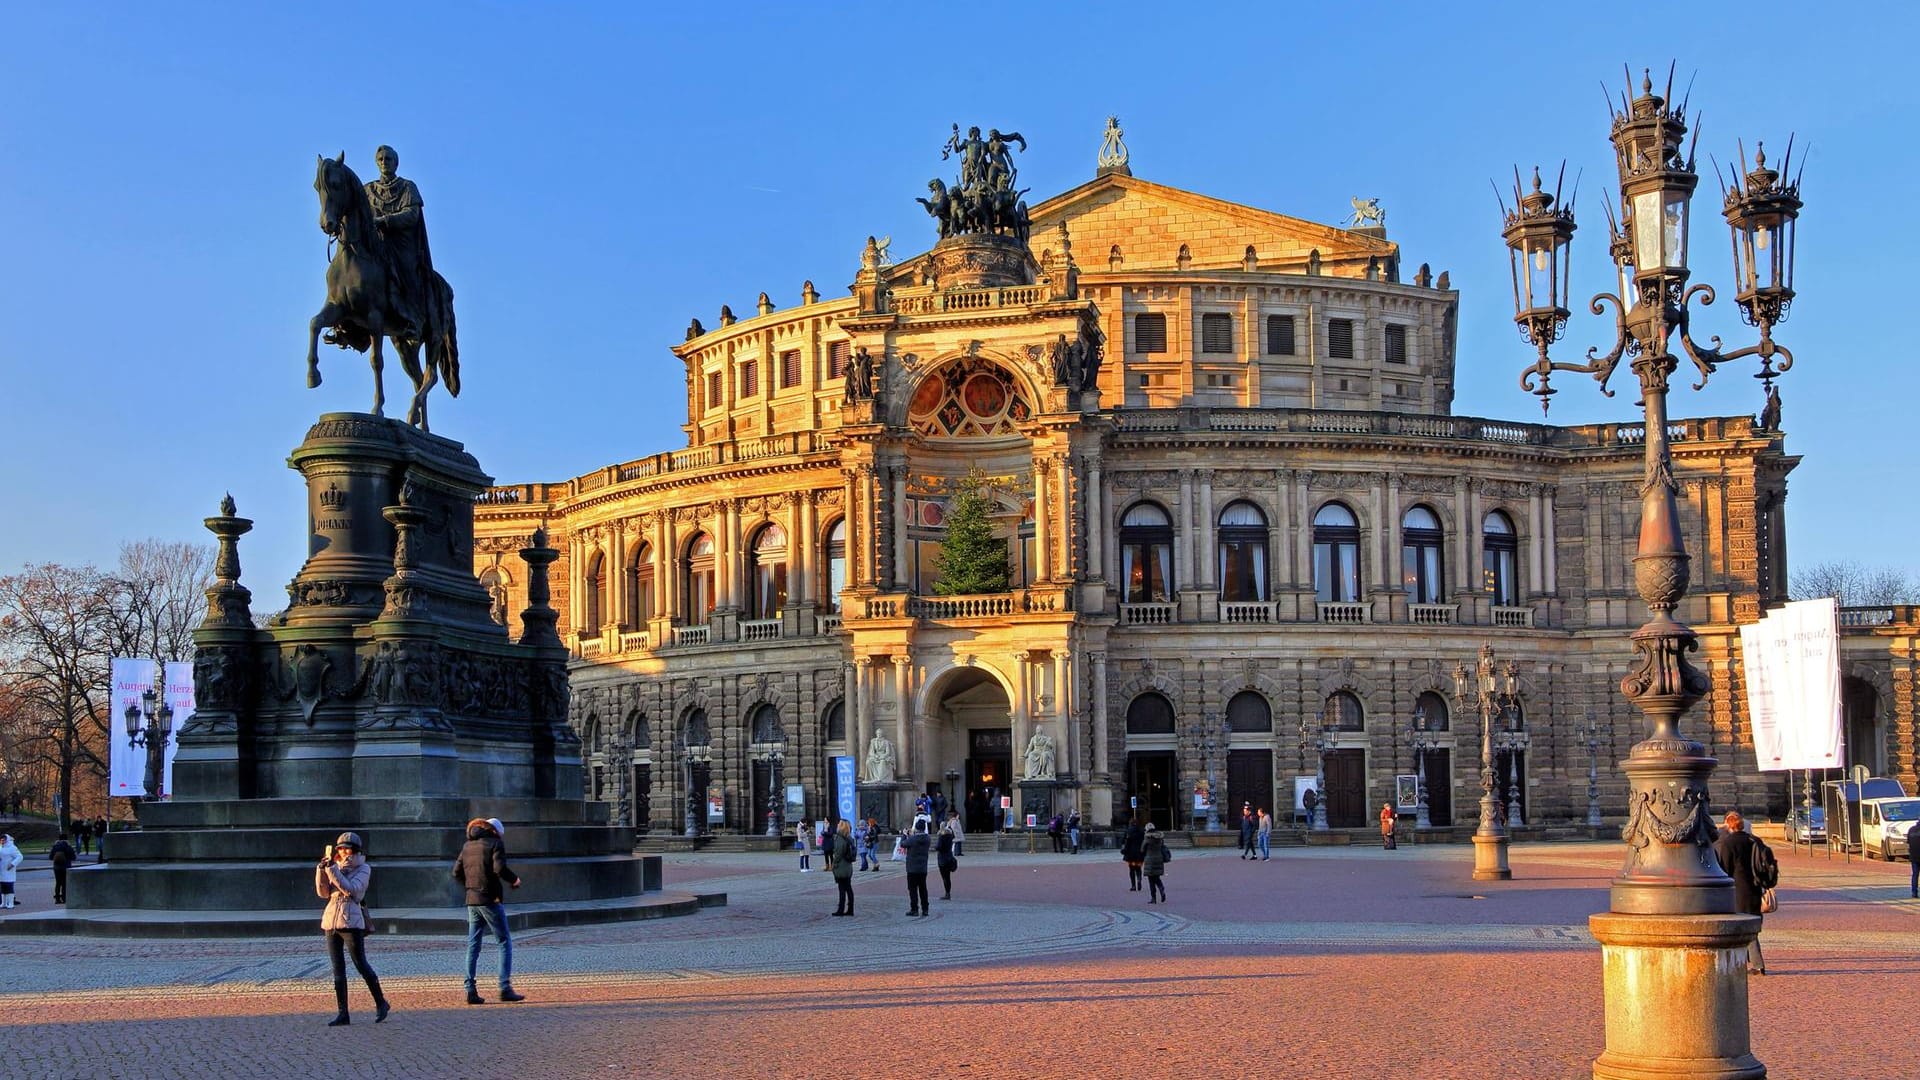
{"x": 160, "y": 596}
{"x": 55, "y": 634}
{"x": 1855, "y": 585}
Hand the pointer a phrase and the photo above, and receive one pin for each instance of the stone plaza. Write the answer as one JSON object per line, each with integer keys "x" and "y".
{"x": 1324, "y": 961}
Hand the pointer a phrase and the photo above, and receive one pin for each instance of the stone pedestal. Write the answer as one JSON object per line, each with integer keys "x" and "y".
{"x": 386, "y": 700}
{"x": 1490, "y": 858}
{"x": 976, "y": 260}
{"x": 1676, "y": 997}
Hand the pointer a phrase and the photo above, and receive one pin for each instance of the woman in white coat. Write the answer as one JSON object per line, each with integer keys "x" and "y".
{"x": 9, "y": 869}
{"x": 341, "y": 879}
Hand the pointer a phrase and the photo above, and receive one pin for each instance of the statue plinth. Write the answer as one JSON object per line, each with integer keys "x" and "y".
{"x": 981, "y": 260}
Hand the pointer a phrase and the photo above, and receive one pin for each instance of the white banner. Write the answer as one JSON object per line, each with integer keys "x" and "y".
{"x": 179, "y": 695}
{"x": 127, "y": 764}
{"x": 1792, "y": 664}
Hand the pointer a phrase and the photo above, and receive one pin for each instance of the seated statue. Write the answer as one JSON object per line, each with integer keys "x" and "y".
{"x": 879, "y": 760}
{"x": 1040, "y": 757}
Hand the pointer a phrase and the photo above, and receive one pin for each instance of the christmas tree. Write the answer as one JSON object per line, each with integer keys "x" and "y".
{"x": 971, "y": 559}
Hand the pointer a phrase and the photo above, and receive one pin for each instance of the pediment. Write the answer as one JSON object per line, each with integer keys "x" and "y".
{"x": 1149, "y": 222}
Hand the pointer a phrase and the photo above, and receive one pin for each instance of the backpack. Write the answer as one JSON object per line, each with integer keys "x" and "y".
{"x": 1766, "y": 868}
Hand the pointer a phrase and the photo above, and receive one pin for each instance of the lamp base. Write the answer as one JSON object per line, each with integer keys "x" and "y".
{"x": 1490, "y": 858}
{"x": 1676, "y": 997}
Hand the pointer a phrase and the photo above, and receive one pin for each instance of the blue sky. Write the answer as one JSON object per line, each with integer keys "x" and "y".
{"x": 596, "y": 175}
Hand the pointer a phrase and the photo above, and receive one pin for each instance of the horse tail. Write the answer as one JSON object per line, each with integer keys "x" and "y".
{"x": 443, "y": 352}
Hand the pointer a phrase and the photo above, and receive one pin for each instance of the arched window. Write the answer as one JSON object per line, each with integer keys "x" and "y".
{"x": 596, "y": 778}
{"x": 1431, "y": 708}
{"x": 640, "y": 584}
{"x": 766, "y": 725}
{"x": 1146, "y": 555}
{"x": 836, "y": 722}
{"x": 1345, "y": 713}
{"x": 1150, "y": 714}
{"x": 769, "y": 573}
{"x": 1420, "y": 559}
{"x": 638, "y": 731}
{"x": 594, "y": 585}
{"x": 1248, "y": 711}
{"x": 1336, "y": 555}
{"x": 1500, "y": 560}
{"x": 836, "y": 565}
{"x": 1243, "y": 552}
{"x": 697, "y": 574}
{"x": 695, "y": 729}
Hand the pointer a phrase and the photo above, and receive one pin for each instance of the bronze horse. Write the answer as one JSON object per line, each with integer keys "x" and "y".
{"x": 360, "y": 310}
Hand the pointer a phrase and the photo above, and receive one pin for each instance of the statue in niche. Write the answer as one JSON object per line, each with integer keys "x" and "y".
{"x": 1040, "y": 757}
{"x": 879, "y": 760}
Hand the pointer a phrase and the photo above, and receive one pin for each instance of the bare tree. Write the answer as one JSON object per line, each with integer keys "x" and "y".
{"x": 160, "y": 596}
{"x": 55, "y": 634}
{"x": 1854, "y": 585}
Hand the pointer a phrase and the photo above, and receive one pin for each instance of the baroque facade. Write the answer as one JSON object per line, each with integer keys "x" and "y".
{"x": 1241, "y": 519}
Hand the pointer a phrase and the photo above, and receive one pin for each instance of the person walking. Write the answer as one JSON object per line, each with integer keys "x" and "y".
{"x": 1154, "y": 858}
{"x": 341, "y": 880}
{"x": 61, "y": 855}
{"x": 917, "y": 845}
{"x": 863, "y": 846}
{"x": 1057, "y": 832}
{"x": 959, "y": 829}
{"x": 1248, "y": 832}
{"x": 1913, "y": 859}
{"x": 803, "y": 839}
{"x": 1263, "y": 833}
{"x": 840, "y": 861}
{"x": 1073, "y": 830}
{"x": 1133, "y": 849}
{"x": 1736, "y": 850}
{"x": 10, "y": 859}
{"x": 482, "y": 870}
{"x": 83, "y": 834}
{"x": 944, "y": 858}
{"x": 99, "y": 839}
{"x": 1388, "y": 820}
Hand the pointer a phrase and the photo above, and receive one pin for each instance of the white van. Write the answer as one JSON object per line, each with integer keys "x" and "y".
{"x": 1884, "y": 824}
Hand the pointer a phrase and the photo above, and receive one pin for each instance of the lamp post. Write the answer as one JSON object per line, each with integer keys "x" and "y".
{"x": 1321, "y": 732}
{"x": 1671, "y": 941}
{"x": 776, "y": 792}
{"x": 149, "y": 724}
{"x": 1490, "y": 692}
{"x": 1591, "y": 737}
{"x": 1424, "y": 742}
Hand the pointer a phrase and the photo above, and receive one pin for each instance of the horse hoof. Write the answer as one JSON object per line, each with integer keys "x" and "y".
{"x": 313, "y": 379}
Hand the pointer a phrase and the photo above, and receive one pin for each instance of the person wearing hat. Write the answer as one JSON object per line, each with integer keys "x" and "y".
{"x": 341, "y": 880}
{"x": 481, "y": 869}
{"x": 1153, "y": 860}
{"x": 10, "y": 860}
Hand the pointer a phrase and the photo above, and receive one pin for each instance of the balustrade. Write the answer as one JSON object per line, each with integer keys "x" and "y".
{"x": 1433, "y": 614}
{"x": 759, "y": 629}
{"x": 1513, "y": 618}
{"x": 1345, "y": 614}
{"x": 1149, "y": 614}
{"x": 1245, "y": 611}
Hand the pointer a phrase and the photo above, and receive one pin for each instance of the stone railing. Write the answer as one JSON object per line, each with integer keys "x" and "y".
{"x": 634, "y": 641}
{"x": 1867, "y": 618}
{"x": 883, "y": 607}
{"x": 913, "y": 302}
{"x": 1513, "y": 618}
{"x": 1247, "y": 611}
{"x": 591, "y": 647}
{"x": 826, "y": 624}
{"x": 1433, "y": 614}
{"x": 692, "y": 635}
{"x": 960, "y": 607}
{"x": 1149, "y": 614}
{"x": 1284, "y": 420}
{"x": 759, "y": 629}
{"x": 696, "y": 458}
{"x": 1345, "y": 614}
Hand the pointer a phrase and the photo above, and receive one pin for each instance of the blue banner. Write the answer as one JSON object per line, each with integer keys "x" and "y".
{"x": 843, "y": 785}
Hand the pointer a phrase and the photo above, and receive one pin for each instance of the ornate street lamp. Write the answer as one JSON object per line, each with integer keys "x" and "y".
{"x": 776, "y": 792}
{"x": 1671, "y": 900}
{"x": 1491, "y": 693}
{"x": 1513, "y": 741}
{"x": 1321, "y": 732}
{"x": 149, "y": 724}
{"x": 1424, "y": 742}
{"x": 1590, "y": 736}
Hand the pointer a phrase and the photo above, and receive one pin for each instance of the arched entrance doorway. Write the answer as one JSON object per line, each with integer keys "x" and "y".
{"x": 970, "y": 747}
{"x": 1866, "y": 738}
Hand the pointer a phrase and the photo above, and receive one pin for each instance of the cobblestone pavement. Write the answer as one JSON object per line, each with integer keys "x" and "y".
{"x": 1339, "y": 962}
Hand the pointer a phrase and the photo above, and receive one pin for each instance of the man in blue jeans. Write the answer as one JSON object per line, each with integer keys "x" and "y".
{"x": 481, "y": 870}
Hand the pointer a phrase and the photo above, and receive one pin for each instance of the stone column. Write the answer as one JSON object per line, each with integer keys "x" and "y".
{"x": 1676, "y": 996}
{"x": 668, "y": 579}
{"x": 859, "y": 723}
{"x": 1470, "y": 535}
{"x": 1552, "y": 540}
{"x": 730, "y": 568}
{"x": 1463, "y": 543}
{"x": 1536, "y": 553}
{"x": 1375, "y": 554}
{"x": 1096, "y": 522}
{"x": 617, "y": 574}
{"x": 898, "y": 524}
{"x": 1183, "y": 532}
{"x": 1042, "y": 522}
{"x": 1280, "y": 537}
{"x": 903, "y": 711}
{"x": 869, "y": 551}
{"x": 1205, "y": 555}
{"x": 1390, "y": 532}
{"x": 1110, "y": 538}
{"x": 802, "y": 545}
{"x": 1101, "y": 803}
{"x": 1303, "y": 535}
{"x": 1062, "y": 708}
{"x": 1063, "y": 479}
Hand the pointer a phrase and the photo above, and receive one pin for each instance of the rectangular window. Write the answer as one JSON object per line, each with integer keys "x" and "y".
{"x": 838, "y": 353}
{"x": 1396, "y": 352}
{"x": 1279, "y": 335}
{"x": 1149, "y": 333}
{"x": 1340, "y": 339}
{"x": 713, "y": 390}
{"x": 1219, "y": 379}
{"x": 749, "y": 378}
{"x": 790, "y": 368}
{"x": 1216, "y": 333}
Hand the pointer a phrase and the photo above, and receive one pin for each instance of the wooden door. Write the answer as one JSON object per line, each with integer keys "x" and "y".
{"x": 1150, "y": 780}
{"x": 1439, "y": 786}
{"x": 1249, "y": 780}
{"x": 642, "y": 797}
{"x": 1346, "y": 793}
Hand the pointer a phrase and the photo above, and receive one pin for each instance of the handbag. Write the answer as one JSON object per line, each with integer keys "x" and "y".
{"x": 1769, "y": 903}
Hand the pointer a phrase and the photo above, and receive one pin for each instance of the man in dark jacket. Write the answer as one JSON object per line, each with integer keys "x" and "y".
{"x": 62, "y": 856}
{"x": 1247, "y": 831}
{"x": 1734, "y": 849}
{"x": 1913, "y": 859}
{"x": 917, "y": 845}
{"x": 481, "y": 869}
